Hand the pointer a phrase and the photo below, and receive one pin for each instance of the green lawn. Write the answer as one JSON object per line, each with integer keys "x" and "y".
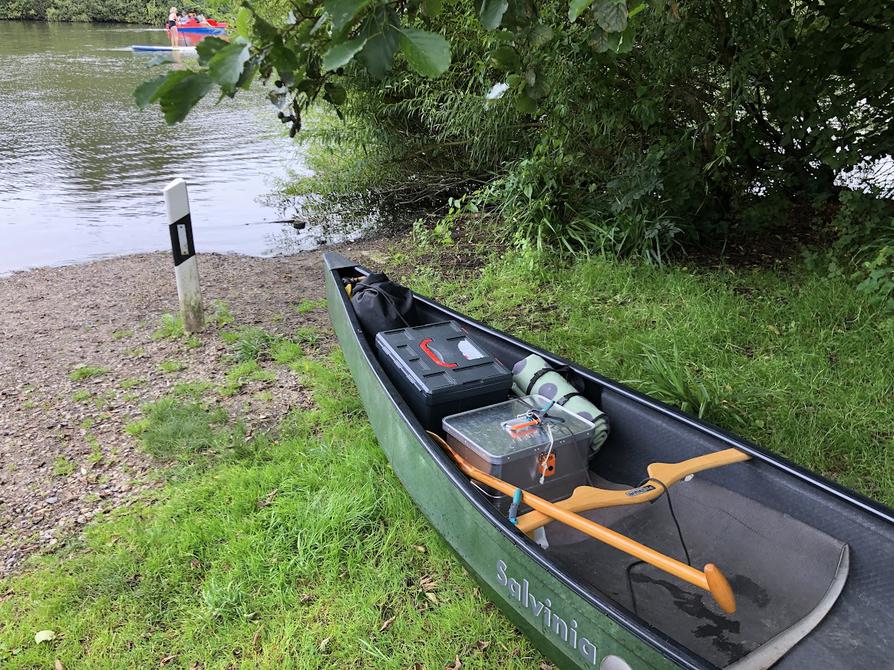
{"x": 301, "y": 550}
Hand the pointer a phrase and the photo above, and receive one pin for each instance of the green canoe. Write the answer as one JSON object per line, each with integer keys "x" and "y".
{"x": 811, "y": 565}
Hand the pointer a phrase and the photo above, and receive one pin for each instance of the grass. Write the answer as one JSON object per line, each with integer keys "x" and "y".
{"x": 306, "y": 306}
{"x": 193, "y": 389}
{"x": 221, "y": 315}
{"x": 81, "y": 395}
{"x": 131, "y": 383}
{"x": 286, "y": 352}
{"x": 171, "y": 328}
{"x": 62, "y": 467}
{"x": 303, "y": 552}
{"x": 242, "y": 373}
{"x": 187, "y": 432}
{"x": 171, "y": 365}
{"x": 250, "y": 344}
{"x": 307, "y": 336}
{"x": 86, "y": 372}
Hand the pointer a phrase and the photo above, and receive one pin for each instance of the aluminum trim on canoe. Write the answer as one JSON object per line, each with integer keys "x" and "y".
{"x": 661, "y": 643}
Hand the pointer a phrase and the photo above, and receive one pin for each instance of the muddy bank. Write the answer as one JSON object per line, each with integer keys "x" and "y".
{"x": 80, "y": 352}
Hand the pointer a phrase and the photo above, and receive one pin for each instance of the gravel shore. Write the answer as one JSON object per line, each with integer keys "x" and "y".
{"x": 64, "y": 454}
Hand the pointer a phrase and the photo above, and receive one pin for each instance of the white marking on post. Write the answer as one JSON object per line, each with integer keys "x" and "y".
{"x": 181, "y": 238}
{"x": 186, "y": 269}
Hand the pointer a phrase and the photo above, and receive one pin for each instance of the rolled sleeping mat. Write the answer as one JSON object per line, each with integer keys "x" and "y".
{"x": 534, "y": 375}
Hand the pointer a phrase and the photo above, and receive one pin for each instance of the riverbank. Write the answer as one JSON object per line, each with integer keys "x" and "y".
{"x": 243, "y": 514}
{"x": 85, "y": 346}
{"x": 263, "y": 527}
{"x": 150, "y": 12}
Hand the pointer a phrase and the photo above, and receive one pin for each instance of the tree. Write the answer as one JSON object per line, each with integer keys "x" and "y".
{"x": 621, "y": 126}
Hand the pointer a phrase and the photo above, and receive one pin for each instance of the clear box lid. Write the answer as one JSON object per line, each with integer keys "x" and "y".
{"x": 488, "y": 430}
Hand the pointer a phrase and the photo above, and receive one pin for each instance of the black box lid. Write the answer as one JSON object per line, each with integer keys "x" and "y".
{"x": 442, "y": 361}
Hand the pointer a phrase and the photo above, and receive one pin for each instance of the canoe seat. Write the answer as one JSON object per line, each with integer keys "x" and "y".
{"x": 785, "y": 574}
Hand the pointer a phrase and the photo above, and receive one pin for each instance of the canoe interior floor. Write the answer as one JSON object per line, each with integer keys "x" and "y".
{"x": 780, "y": 569}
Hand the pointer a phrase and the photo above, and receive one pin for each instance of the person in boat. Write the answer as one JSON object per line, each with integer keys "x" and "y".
{"x": 172, "y": 19}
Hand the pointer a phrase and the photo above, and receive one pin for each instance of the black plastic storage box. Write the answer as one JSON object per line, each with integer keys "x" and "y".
{"x": 441, "y": 371}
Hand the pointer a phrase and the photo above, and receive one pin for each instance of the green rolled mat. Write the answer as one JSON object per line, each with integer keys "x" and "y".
{"x": 550, "y": 384}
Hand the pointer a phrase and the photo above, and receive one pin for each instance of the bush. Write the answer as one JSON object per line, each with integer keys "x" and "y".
{"x": 863, "y": 245}
{"x": 605, "y": 125}
{"x": 671, "y": 136}
{"x": 98, "y": 11}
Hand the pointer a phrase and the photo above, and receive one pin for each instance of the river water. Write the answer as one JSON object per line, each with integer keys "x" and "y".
{"x": 82, "y": 169}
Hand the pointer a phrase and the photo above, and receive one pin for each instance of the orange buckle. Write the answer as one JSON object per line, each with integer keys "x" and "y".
{"x": 546, "y": 465}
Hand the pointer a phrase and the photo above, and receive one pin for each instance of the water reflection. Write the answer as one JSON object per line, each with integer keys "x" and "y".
{"x": 81, "y": 169}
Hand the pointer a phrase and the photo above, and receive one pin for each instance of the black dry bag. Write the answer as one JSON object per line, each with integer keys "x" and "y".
{"x": 381, "y": 304}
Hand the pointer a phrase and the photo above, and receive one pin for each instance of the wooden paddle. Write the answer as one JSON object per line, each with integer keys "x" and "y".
{"x": 710, "y": 579}
{"x": 590, "y": 497}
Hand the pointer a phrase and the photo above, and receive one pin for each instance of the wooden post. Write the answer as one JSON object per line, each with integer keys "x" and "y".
{"x": 185, "y": 267}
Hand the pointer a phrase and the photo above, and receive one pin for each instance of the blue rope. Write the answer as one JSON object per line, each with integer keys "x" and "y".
{"x": 513, "y": 508}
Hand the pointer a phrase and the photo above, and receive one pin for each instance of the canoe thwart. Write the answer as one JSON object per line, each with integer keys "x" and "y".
{"x": 715, "y": 583}
{"x": 587, "y": 498}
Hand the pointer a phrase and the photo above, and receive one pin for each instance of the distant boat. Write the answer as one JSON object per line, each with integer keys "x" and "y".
{"x": 209, "y": 27}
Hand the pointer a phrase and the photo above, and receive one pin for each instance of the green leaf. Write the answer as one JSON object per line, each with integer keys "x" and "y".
{"x": 342, "y": 53}
{"x": 226, "y": 67}
{"x": 208, "y": 47}
{"x": 427, "y": 53}
{"x": 490, "y": 12}
{"x": 145, "y": 93}
{"x": 182, "y": 93}
{"x": 537, "y": 90}
{"x": 378, "y": 53}
{"x": 335, "y": 94}
{"x": 602, "y": 41}
{"x": 432, "y": 8}
{"x": 262, "y": 29}
{"x": 506, "y": 58}
{"x": 627, "y": 39}
{"x": 611, "y": 15}
{"x": 342, "y": 12}
{"x": 576, "y": 7}
{"x": 525, "y": 105}
{"x": 636, "y": 10}
{"x": 243, "y": 22}
{"x": 540, "y": 36}
{"x": 283, "y": 58}
{"x": 245, "y": 79}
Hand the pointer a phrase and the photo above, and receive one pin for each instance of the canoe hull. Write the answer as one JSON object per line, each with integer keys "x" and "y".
{"x": 563, "y": 623}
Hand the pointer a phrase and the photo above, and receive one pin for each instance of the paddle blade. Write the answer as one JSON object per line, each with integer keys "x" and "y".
{"x": 720, "y": 588}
